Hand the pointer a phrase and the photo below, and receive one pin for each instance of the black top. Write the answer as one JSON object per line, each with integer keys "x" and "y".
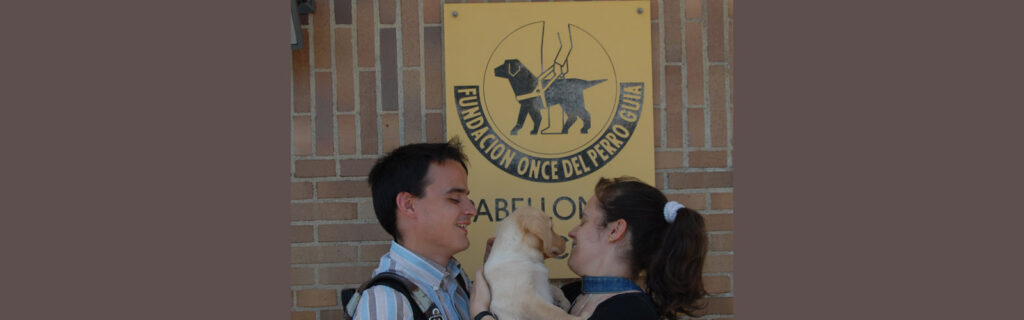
{"x": 633, "y": 305}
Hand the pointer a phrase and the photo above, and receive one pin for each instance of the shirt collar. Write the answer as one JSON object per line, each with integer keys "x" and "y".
{"x": 607, "y": 284}
{"x": 429, "y": 271}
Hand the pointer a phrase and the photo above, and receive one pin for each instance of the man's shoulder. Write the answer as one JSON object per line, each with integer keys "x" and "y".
{"x": 382, "y": 302}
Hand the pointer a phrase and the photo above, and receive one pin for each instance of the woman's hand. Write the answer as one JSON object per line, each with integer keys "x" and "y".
{"x": 480, "y": 299}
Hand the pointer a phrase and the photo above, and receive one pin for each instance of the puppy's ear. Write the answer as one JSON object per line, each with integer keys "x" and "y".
{"x": 539, "y": 225}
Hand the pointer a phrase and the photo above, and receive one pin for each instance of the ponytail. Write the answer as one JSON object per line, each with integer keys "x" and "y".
{"x": 669, "y": 255}
{"x": 674, "y": 277}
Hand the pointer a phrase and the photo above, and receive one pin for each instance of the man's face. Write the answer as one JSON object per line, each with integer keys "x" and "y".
{"x": 444, "y": 210}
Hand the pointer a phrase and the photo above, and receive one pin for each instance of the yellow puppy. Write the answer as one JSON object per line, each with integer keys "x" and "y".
{"x": 515, "y": 268}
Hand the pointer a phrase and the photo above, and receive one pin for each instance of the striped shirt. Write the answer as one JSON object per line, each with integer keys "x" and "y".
{"x": 382, "y": 302}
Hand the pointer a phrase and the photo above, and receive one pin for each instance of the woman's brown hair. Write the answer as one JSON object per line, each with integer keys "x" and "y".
{"x": 670, "y": 255}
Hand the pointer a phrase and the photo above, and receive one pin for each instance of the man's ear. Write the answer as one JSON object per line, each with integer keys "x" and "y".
{"x": 404, "y": 204}
{"x": 618, "y": 230}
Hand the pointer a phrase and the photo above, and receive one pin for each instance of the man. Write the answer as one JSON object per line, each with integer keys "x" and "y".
{"x": 420, "y": 196}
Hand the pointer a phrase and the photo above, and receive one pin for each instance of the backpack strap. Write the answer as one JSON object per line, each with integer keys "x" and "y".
{"x": 424, "y": 307}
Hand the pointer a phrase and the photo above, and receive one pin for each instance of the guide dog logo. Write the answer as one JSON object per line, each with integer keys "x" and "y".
{"x": 577, "y": 119}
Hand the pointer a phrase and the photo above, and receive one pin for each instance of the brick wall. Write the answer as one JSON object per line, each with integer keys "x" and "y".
{"x": 370, "y": 79}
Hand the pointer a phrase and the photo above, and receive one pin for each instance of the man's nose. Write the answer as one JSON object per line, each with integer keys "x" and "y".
{"x": 469, "y": 209}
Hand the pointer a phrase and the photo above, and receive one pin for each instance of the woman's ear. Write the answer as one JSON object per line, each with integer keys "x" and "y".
{"x": 404, "y": 204}
{"x": 617, "y": 229}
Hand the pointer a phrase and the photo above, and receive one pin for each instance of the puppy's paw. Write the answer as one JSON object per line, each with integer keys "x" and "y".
{"x": 560, "y": 300}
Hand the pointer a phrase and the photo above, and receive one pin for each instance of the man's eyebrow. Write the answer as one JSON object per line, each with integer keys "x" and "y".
{"x": 457, "y": 190}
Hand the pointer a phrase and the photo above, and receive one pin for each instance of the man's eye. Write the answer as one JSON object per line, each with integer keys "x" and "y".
{"x": 453, "y": 200}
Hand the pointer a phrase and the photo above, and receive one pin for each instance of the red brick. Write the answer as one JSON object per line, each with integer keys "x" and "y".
{"x": 302, "y": 132}
{"x": 721, "y": 201}
{"x": 337, "y": 210}
{"x": 342, "y": 189}
{"x": 387, "y": 11}
{"x": 317, "y": 298}
{"x": 654, "y": 9}
{"x": 435, "y": 127}
{"x": 708, "y": 159}
{"x": 356, "y": 167}
{"x": 314, "y": 168}
{"x": 673, "y": 24}
{"x": 716, "y": 31}
{"x": 731, "y": 86}
{"x": 303, "y": 315}
{"x": 674, "y": 127}
{"x": 410, "y": 33}
{"x": 431, "y": 11}
{"x": 303, "y": 276}
{"x": 659, "y": 180}
{"x": 322, "y": 35}
{"x": 693, "y": 201}
{"x": 388, "y": 69}
{"x": 432, "y": 72}
{"x": 324, "y": 116}
{"x": 695, "y": 123}
{"x": 721, "y": 242}
{"x": 698, "y": 180}
{"x": 673, "y": 87}
{"x": 323, "y": 254}
{"x": 342, "y": 11}
{"x": 718, "y": 305}
{"x": 345, "y": 275}
{"x": 694, "y": 64}
{"x": 389, "y": 132}
{"x": 730, "y": 9}
{"x": 302, "y": 211}
{"x": 656, "y": 65}
{"x": 719, "y": 113}
{"x": 344, "y": 69}
{"x": 338, "y": 314}
{"x": 717, "y": 284}
{"x": 302, "y": 234}
{"x": 693, "y": 9}
{"x": 412, "y": 111}
{"x": 365, "y": 209}
{"x": 368, "y": 111}
{"x": 351, "y": 232}
{"x": 718, "y": 222}
{"x": 668, "y": 159}
{"x": 372, "y": 252}
{"x": 718, "y": 263}
{"x": 324, "y": 211}
{"x": 365, "y": 33}
{"x": 347, "y": 136}
{"x": 300, "y": 76}
{"x": 302, "y": 190}
{"x": 657, "y": 126}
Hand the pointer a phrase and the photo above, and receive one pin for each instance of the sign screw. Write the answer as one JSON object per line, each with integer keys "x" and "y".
{"x": 639, "y": 10}
{"x": 455, "y": 13}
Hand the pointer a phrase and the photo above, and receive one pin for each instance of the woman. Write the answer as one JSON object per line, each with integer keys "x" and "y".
{"x": 640, "y": 256}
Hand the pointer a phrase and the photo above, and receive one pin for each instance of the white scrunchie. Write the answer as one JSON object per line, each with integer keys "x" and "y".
{"x": 670, "y": 210}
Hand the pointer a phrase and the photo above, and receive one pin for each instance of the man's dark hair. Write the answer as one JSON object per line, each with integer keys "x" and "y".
{"x": 405, "y": 170}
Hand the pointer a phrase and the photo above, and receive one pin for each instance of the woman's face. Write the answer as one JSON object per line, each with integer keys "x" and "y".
{"x": 588, "y": 246}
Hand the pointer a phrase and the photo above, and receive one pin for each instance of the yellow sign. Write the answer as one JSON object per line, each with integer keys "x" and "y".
{"x": 547, "y": 98}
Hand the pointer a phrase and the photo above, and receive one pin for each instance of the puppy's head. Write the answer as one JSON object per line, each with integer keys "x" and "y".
{"x": 509, "y": 69}
{"x": 538, "y": 231}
